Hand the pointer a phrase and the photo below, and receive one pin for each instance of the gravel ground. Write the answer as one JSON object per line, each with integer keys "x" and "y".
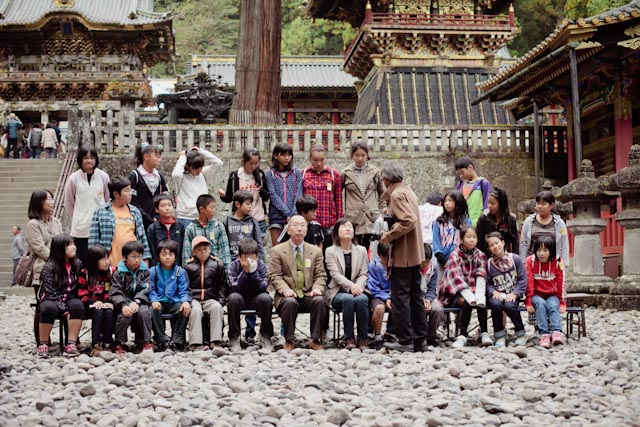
{"x": 594, "y": 381}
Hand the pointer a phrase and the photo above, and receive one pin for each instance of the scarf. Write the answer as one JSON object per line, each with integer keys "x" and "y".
{"x": 503, "y": 264}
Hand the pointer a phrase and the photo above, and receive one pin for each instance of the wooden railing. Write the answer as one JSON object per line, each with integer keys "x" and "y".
{"x": 441, "y": 20}
{"x": 67, "y": 168}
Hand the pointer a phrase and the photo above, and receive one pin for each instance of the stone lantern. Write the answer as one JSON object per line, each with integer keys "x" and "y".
{"x": 588, "y": 194}
{"x": 627, "y": 182}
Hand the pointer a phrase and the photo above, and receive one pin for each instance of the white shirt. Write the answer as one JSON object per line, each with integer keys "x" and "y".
{"x": 152, "y": 179}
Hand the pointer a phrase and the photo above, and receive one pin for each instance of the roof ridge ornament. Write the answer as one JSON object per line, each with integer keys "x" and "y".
{"x": 64, "y": 3}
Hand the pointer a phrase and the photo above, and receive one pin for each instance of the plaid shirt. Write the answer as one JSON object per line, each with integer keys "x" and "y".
{"x": 103, "y": 225}
{"x": 326, "y": 188}
{"x": 217, "y": 235}
{"x": 460, "y": 273}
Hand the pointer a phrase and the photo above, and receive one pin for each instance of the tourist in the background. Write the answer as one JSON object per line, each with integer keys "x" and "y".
{"x": 498, "y": 218}
{"x": 86, "y": 189}
{"x": 35, "y": 140}
{"x": 17, "y": 249}
{"x": 13, "y": 126}
{"x": 146, "y": 182}
{"x": 324, "y": 183}
{"x": 195, "y": 170}
{"x": 363, "y": 190}
{"x": 49, "y": 142}
{"x": 41, "y": 228}
{"x": 21, "y": 148}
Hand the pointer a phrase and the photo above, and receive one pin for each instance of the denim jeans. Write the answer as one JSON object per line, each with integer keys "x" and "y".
{"x": 549, "y": 307}
{"x": 350, "y": 306}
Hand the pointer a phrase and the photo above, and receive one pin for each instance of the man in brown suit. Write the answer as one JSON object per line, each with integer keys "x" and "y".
{"x": 407, "y": 252}
{"x": 296, "y": 271}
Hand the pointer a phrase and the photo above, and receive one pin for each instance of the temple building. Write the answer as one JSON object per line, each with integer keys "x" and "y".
{"x": 61, "y": 57}
{"x": 419, "y": 60}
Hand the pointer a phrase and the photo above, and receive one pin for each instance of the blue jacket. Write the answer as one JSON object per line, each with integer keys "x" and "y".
{"x": 447, "y": 242}
{"x": 377, "y": 281}
{"x": 172, "y": 289}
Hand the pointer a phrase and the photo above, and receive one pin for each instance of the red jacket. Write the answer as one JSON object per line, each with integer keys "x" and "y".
{"x": 545, "y": 280}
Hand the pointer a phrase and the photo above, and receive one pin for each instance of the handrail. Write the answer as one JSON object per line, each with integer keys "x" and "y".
{"x": 58, "y": 198}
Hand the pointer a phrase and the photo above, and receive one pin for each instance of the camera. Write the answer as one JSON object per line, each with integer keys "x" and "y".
{"x": 389, "y": 220}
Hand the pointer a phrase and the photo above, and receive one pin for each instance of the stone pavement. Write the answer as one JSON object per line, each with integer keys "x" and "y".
{"x": 594, "y": 381}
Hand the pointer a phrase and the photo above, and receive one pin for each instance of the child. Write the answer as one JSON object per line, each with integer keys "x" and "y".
{"x": 206, "y": 225}
{"x": 506, "y": 284}
{"x": 169, "y": 293}
{"x": 474, "y": 188}
{"x": 147, "y": 181}
{"x": 208, "y": 282}
{"x": 248, "y": 283}
{"x": 129, "y": 294}
{"x": 192, "y": 174}
{"x": 59, "y": 294}
{"x": 429, "y": 288}
{"x": 118, "y": 222}
{"x": 380, "y": 287}
{"x": 446, "y": 229}
{"x": 464, "y": 285}
{"x": 241, "y": 224}
{"x": 429, "y": 213}
{"x": 545, "y": 290}
{"x": 284, "y": 183}
{"x": 94, "y": 283}
{"x": 498, "y": 218}
{"x": 17, "y": 249}
{"x": 307, "y": 206}
{"x": 251, "y": 178}
{"x": 165, "y": 228}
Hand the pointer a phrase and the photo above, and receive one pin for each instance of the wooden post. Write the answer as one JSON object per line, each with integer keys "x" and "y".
{"x": 575, "y": 98}
{"x": 536, "y": 144}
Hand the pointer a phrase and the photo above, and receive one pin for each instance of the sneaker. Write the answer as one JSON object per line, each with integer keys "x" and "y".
{"x": 460, "y": 342}
{"x": 378, "y": 345}
{"x": 521, "y": 340}
{"x": 266, "y": 343}
{"x": 148, "y": 346}
{"x": 398, "y": 346}
{"x": 544, "y": 341}
{"x": 501, "y": 342}
{"x": 70, "y": 350}
{"x": 350, "y": 343}
{"x": 43, "y": 351}
{"x": 557, "y": 338}
{"x": 95, "y": 351}
{"x": 234, "y": 345}
{"x": 363, "y": 344}
{"x": 328, "y": 335}
{"x": 485, "y": 339}
{"x": 119, "y": 350}
{"x": 250, "y": 340}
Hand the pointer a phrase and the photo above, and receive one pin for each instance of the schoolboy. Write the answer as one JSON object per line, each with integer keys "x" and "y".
{"x": 475, "y": 189}
{"x": 170, "y": 293}
{"x": 248, "y": 283}
{"x": 380, "y": 287}
{"x": 129, "y": 294}
{"x": 429, "y": 288}
{"x": 118, "y": 222}
{"x": 307, "y": 207}
{"x": 208, "y": 283}
{"x": 206, "y": 225}
{"x": 165, "y": 228}
{"x": 241, "y": 225}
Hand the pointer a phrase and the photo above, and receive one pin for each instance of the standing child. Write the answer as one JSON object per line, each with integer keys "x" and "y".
{"x": 59, "y": 294}
{"x": 464, "y": 285}
{"x": 306, "y": 207}
{"x": 429, "y": 288}
{"x": 169, "y": 293}
{"x": 241, "y": 225}
{"x": 147, "y": 181}
{"x": 446, "y": 229}
{"x": 193, "y": 173}
{"x": 506, "y": 285}
{"x": 284, "y": 183}
{"x": 17, "y": 249}
{"x": 94, "y": 283}
{"x": 498, "y": 218}
{"x": 250, "y": 178}
{"x": 129, "y": 294}
{"x": 165, "y": 228}
{"x": 474, "y": 188}
{"x": 545, "y": 290}
{"x": 208, "y": 282}
{"x": 380, "y": 287}
{"x": 206, "y": 225}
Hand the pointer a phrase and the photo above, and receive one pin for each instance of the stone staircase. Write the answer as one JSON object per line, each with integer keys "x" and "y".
{"x": 18, "y": 179}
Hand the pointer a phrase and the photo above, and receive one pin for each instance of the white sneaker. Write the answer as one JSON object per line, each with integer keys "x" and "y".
{"x": 521, "y": 340}
{"x": 234, "y": 345}
{"x": 266, "y": 343}
{"x": 485, "y": 339}
{"x": 460, "y": 342}
{"x": 501, "y": 342}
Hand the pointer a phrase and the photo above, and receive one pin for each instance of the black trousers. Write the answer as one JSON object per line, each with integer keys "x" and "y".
{"x": 82, "y": 245}
{"x": 289, "y": 309}
{"x": 178, "y": 327}
{"x": 465, "y": 315}
{"x": 407, "y": 305}
{"x": 261, "y": 303}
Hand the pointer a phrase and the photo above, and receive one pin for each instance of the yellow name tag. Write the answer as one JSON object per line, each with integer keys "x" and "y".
{"x": 307, "y": 263}
{"x": 212, "y": 236}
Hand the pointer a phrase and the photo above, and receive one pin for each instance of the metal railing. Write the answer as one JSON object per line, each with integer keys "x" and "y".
{"x": 67, "y": 169}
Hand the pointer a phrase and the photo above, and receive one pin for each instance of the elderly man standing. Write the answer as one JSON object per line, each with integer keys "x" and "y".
{"x": 407, "y": 252}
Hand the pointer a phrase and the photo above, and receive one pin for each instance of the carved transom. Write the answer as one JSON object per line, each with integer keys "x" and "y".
{"x": 412, "y": 6}
{"x": 457, "y": 7}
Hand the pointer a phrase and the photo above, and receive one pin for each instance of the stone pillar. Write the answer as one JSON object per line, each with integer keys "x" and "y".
{"x": 128, "y": 140}
{"x": 172, "y": 114}
{"x": 74, "y": 127}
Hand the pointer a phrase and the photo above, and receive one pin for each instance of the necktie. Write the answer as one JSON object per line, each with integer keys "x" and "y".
{"x": 299, "y": 273}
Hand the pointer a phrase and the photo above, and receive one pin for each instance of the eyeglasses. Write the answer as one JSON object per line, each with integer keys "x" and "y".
{"x": 134, "y": 256}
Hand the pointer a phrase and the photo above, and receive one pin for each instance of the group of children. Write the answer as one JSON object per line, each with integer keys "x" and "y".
{"x": 192, "y": 267}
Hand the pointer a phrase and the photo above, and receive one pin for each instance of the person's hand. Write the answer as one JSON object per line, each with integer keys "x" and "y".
{"x": 355, "y": 291}
{"x": 98, "y": 305}
{"x": 387, "y": 303}
{"x": 386, "y": 237}
{"x": 185, "y": 308}
{"x": 511, "y": 297}
{"x": 181, "y": 153}
{"x": 244, "y": 263}
{"x": 496, "y": 295}
{"x": 134, "y": 307}
{"x": 107, "y": 305}
{"x": 126, "y": 311}
{"x": 221, "y": 192}
{"x": 156, "y": 305}
{"x": 531, "y": 309}
{"x": 289, "y": 293}
{"x": 563, "y": 309}
{"x": 315, "y": 293}
{"x": 427, "y": 305}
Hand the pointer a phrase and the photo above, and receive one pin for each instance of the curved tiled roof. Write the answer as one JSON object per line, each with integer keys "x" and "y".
{"x": 114, "y": 12}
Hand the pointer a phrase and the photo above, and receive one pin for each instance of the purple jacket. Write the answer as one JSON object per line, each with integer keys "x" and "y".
{"x": 248, "y": 284}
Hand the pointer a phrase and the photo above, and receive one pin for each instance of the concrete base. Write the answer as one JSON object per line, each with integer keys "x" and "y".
{"x": 628, "y": 284}
{"x": 620, "y": 302}
{"x": 588, "y": 284}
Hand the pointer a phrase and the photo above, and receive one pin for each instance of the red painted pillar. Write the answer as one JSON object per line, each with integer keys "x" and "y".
{"x": 624, "y": 140}
{"x": 290, "y": 115}
{"x": 571, "y": 159}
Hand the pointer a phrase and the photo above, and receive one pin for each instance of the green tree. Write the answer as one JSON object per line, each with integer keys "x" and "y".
{"x": 536, "y": 18}
{"x": 575, "y": 9}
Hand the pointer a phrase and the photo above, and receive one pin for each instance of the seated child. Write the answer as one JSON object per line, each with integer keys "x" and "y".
{"x": 170, "y": 293}
{"x": 208, "y": 282}
{"x": 165, "y": 228}
{"x": 129, "y": 294}
{"x": 380, "y": 287}
{"x": 464, "y": 285}
{"x": 248, "y": 283}
{"x": 94, "y": 282}
{"x": 506, "y": 284}
{"x": 545, "y": 290}
{"x": 429, "y": 288}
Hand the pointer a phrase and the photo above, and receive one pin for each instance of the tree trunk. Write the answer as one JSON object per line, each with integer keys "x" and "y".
{"x": 257, "y": 99}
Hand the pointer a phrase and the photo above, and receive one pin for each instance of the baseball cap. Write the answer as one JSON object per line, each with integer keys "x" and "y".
{"x": 198, "y": 240}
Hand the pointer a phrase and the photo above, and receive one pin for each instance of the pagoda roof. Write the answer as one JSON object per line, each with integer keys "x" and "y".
{"x": 95, "y": 13}
{"x": 308, "y": 72}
